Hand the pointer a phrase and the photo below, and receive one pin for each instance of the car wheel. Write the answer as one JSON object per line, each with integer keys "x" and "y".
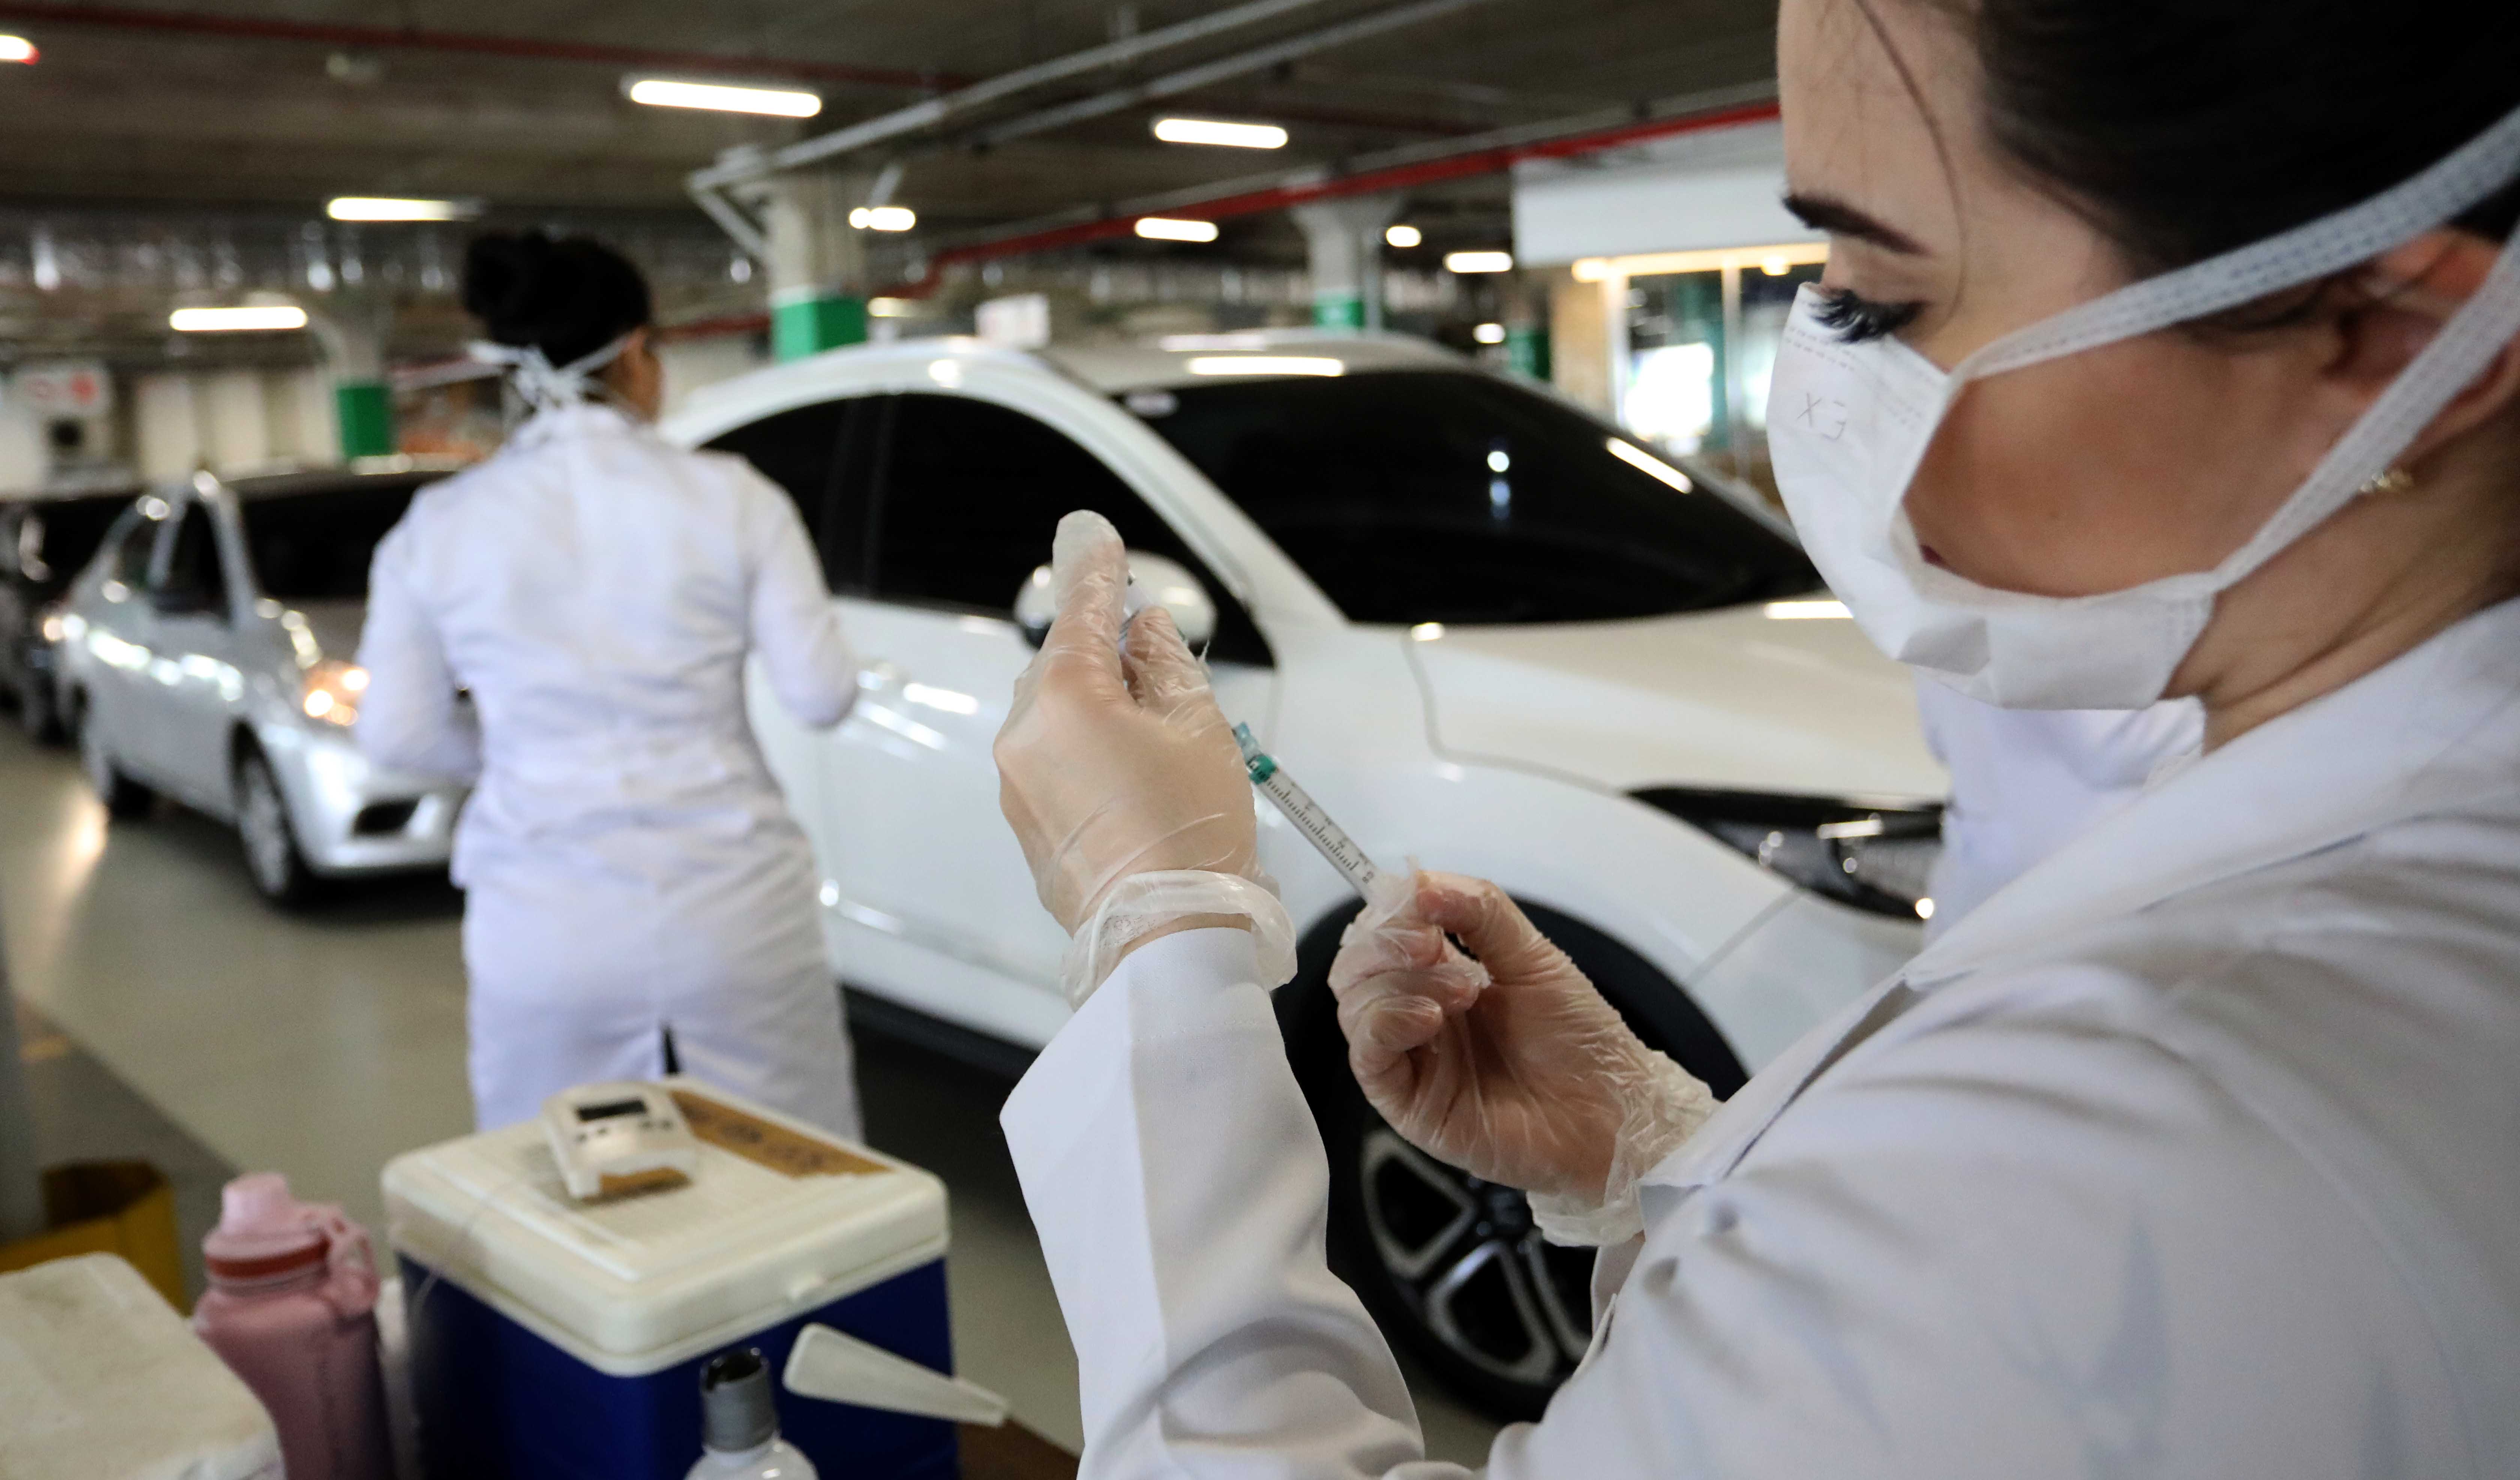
{"x": 37, "y": 713}
{"x": 272, "y": 857}
{"x": 1453, "y": 1268}
{"x": 123, "y": 796}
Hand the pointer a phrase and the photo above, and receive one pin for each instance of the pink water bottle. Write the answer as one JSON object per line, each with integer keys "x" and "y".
{"x": 291, "y": 1308}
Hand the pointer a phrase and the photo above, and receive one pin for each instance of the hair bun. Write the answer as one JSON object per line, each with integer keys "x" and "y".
{"x": 566, "y": 297}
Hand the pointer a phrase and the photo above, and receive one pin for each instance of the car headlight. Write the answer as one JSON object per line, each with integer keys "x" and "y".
{"x": 1875, "y": 858}
{"x": 331, "y": 692}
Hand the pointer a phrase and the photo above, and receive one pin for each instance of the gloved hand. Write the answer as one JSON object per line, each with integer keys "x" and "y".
{"x": 1115, "y": 764}
{"x": 1511, "y": 1065}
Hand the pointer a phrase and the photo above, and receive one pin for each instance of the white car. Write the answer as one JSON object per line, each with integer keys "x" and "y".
{"x": 1483, "y": 629}
{"x": 206, "y": 655}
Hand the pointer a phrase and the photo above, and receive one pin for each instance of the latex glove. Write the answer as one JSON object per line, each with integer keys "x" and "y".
{"x": 1510, "y": 1066}
{"x": 1114, "y": 763}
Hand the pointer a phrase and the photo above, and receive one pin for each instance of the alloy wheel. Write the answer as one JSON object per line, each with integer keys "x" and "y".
{"x": 1468, "y": 1256}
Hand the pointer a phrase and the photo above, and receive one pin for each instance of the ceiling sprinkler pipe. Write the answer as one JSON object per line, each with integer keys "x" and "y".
{"x": 1490, "y": 157}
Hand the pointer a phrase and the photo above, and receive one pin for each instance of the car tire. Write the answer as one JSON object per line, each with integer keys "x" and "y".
{"x": 273, "y": 859}
{"x": 123, "y": 798}
{"x": 1453, "y": 1268}
{"x": 37, "y": 712}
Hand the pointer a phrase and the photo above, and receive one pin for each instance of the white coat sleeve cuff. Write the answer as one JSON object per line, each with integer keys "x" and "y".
{"x": 1179, "y": 1189}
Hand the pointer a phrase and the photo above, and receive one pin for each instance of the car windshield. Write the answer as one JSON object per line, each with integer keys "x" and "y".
{"x": 317, "y": 545}
{"x": 56, "y": 537}
{"x": 1443, "y": 496}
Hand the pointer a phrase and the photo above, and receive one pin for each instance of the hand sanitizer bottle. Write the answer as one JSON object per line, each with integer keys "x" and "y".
{"x": 739, "y": 1426}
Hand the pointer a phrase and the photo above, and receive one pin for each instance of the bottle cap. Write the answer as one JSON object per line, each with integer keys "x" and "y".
{"x": 735, "y": 1410}
{"x": 264, "y": 1232}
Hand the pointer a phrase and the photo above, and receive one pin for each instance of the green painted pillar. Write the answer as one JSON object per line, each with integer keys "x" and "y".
{"x": 1335, "y": 309}
{"x": 809, "y": 321}
{"x": 365, "y": 410}
{"x": 1526, "y": 350}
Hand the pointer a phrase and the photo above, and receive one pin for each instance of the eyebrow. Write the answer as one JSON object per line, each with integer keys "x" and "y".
{"x": 1829, "y": 214}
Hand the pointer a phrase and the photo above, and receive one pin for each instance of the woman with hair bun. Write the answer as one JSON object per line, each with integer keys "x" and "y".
{"x": 2167, "y": 348}
{"x": 636, "y": 892}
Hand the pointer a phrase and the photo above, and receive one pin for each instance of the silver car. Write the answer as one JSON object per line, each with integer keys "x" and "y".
{"x": 206, "y": 655}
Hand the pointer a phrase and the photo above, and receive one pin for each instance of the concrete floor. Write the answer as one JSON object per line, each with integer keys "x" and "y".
{"x": 193, "y": 1022}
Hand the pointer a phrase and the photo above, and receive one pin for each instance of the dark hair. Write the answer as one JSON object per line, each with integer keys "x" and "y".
{"x": 566, "y": 297}
{"x": 2186, "y": 128}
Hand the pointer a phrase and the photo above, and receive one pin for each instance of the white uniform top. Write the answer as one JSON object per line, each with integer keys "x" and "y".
{"x": 2194, "y": 1153}
{"x": 629, "y": 862}
{"x": 2026, "y": 781}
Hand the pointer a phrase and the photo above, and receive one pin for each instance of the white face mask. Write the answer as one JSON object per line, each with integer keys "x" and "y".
{"x": 1849, "y": 425}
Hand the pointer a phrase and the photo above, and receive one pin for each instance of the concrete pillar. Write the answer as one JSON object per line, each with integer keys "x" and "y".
{"x": 235, "y": 424}
{"x": 1344, "y": 240}
{"x": 168, "y": 433}
{"x": 352, "y": 330}
{"x": 1579, "y": 334}
{"x": 818, "y": 271}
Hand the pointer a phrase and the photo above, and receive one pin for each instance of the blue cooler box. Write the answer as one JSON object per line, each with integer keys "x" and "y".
{"x": 552, "y": 1338}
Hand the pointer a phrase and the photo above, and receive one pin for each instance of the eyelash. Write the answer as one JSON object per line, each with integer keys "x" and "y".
{"x": 1854, "y": 319}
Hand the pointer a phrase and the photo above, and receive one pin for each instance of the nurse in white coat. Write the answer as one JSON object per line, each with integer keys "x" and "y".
{"x": 630, "y": 868}
{"x": 2027, "y": 782}
{"x": 2193, "y": 1151}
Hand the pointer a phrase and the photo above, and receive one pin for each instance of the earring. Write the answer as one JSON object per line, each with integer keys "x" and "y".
{"x": 2395, "y": 480}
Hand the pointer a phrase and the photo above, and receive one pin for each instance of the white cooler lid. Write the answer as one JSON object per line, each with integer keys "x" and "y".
{"x": 100, "y": 1377}
{"x": 781, "y": 1219}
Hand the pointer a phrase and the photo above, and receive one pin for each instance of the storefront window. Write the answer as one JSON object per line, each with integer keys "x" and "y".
{"x": 1700, "y": 349}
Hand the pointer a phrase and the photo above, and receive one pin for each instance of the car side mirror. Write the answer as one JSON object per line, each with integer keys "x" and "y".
{"x": 1167, "y": 583}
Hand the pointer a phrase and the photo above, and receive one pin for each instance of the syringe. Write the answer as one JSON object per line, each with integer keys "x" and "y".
{"x": 1307, "y": 816}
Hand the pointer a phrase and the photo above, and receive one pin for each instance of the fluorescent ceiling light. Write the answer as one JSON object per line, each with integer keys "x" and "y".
{"x": 1652, "y": 466}
{"x": 1809, "y": 611}
{"x": 228, "y": 320}
{"x": 719, "y": 97}
{"x": 1265, "y": 365}
{"x": 1478, "y": 261}
{"x": 1168, "y": 228}
{"x": 1489, "y": 334}
{"x": 1218, "y": 131}
{"x": 16, "y": 49}
{"x": 393, "y": 208}
{"x": 892, "y": 308}
{"x": 882, "y": 217}
{"x": 1403, "y": 236}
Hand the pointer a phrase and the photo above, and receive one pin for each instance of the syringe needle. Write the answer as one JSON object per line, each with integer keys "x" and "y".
{"x": 1307, "y": 814}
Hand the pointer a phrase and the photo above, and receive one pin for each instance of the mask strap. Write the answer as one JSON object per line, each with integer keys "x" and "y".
{"x": 2465, "y": 347}
{"x": 2330, "y": 245}
{"x": 544, "y": 387}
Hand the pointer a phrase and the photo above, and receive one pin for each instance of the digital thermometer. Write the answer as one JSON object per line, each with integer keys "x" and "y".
{"x": 618, "y": 1138}
{"x": 1307, "y": 814}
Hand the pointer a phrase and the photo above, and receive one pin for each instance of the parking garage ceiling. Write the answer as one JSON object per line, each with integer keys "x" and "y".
{"x": 519, "y": 103}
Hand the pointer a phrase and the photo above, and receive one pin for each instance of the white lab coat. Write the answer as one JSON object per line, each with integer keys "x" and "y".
{"x": 2196, "y": 1151}
{"x": 2027, "y": 782}
{"x": 629, "y": 864}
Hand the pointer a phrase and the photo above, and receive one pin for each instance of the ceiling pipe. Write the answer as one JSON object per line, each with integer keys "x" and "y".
{"x": 1207, "y": 74}
{"x": 752, "y": 165}
{"x": 1405, "y": 168}
{"x": 519, "y": 48}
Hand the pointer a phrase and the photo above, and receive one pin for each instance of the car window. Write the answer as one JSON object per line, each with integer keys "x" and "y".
{"x": 139, "y": 540}
{"x": 56, "y": 538}
{"x": 1443, "y": 496}
{"x": 193, "y": 565}
{"x": 810, "y": 452}
{"x": 317, "y": 545}
{"x": 970, "y": 494}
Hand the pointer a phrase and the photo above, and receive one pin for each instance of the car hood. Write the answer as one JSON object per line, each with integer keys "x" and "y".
{"x": 1735, "y": 700}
